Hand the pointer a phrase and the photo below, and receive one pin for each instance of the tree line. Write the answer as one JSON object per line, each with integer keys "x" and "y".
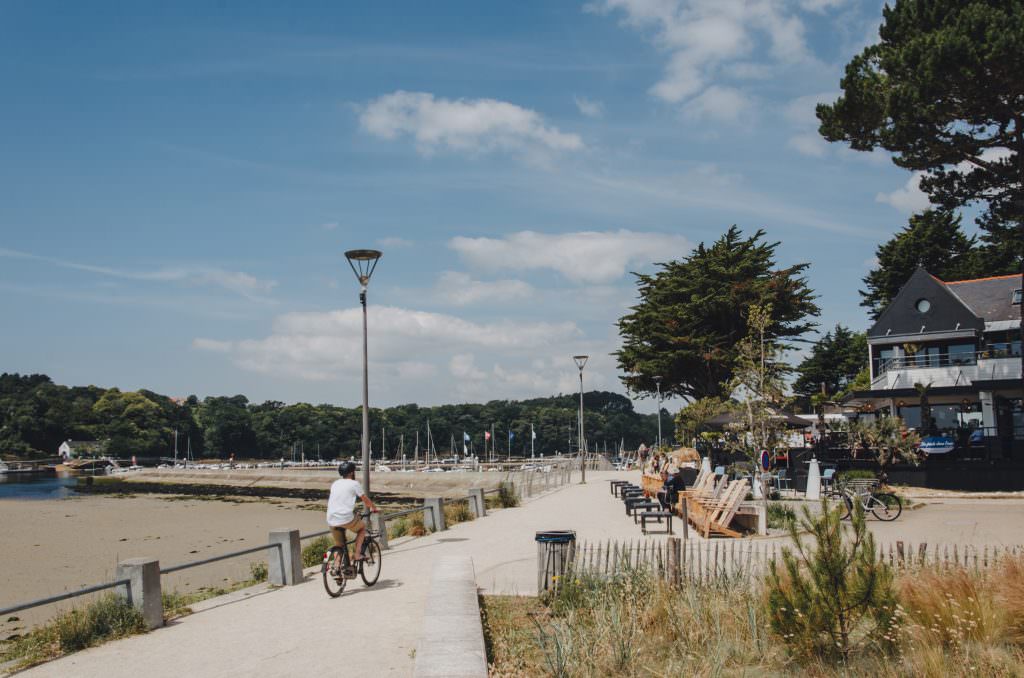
{"x": 37, "y": 415}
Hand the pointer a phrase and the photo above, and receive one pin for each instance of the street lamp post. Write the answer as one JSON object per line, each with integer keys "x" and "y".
{"x": 581, "y": 361}
{"x": 363, "y": 262}
{"x": 657, "y": 382}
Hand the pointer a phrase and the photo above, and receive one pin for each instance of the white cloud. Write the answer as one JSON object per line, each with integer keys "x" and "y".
{"x": 591, "y": 109}
{"x": 809, "y": 144}
{"x": 801, "y": 113}
{"x": 718, "y": 103}
{"x": 704, "y": 37}
{"x": 821, "y": 5}
{"x": 238, "y": 282}
{"x": 463, "y": 366}
{"x": 330, "y": 226}
{"x": 473, "y": 125}
{"x": 395, "y": 242}
{"x": 909, "y": 199}
{"x": 583, "y": 257}
{"x": 322, "y": 345}
{"x": 461, "y": 289}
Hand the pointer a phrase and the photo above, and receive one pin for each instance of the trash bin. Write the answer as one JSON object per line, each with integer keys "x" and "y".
{"x": 555, "y": 550}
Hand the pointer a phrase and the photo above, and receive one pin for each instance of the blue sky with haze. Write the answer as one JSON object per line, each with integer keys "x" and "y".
{"x": 180, "y": 181}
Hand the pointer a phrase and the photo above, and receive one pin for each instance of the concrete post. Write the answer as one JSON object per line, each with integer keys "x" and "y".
{"x": 378, "y": 525}
{"x": 478, "y": 502}
{"x": 433, "y": 514}
{"x": 143, "y": 588}
{"x": 285, "y": 563}
{"x": 813, "y": 481}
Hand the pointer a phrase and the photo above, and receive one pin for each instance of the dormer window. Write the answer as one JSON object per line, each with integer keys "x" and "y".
{"x": 923, "y": 305}
{"x": 1016, "y": 297}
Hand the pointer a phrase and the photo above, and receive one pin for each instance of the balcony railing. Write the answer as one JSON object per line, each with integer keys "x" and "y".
{"x": 920, "y": 361}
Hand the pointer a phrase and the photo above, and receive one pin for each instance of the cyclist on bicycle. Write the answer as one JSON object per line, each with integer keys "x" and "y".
{"x": 341, "y": 510}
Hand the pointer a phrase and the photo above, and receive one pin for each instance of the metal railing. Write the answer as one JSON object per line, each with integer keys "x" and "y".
{"x": 225, "y": 556}
{"x": 924, "y": 360}
{"x": 68, "y": 595}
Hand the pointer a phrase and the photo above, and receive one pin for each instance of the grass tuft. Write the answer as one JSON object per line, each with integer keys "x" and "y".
{"x": 103, "y": 619}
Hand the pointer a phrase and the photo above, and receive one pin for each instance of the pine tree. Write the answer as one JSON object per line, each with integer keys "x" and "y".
{"x": 942, "y": 91}
{"x": 835, "y": 361}
{"x": 831, "y": 595}
{"x": 691, "y": 315}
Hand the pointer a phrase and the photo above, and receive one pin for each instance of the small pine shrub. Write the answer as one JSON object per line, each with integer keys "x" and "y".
{"x": 832, "y": 595}
{"x": 313, "y": 554}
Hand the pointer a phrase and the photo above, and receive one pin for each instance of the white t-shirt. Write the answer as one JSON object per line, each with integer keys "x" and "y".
{"x": 342, "y": 502}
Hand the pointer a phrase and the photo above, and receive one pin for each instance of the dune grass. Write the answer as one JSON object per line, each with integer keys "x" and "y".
{"x": 106, "y": 618}
{"x": 951, "y": 623}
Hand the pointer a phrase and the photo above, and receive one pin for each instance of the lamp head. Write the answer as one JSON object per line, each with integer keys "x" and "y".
{"x": 363, "y": 262}
{"x": 580, "y": 360}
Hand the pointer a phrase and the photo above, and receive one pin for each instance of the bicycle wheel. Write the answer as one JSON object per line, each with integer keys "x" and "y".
{"x": 334, "y": 579}
{"x": 886, "y": 506}
{"x": 369, "y": 567}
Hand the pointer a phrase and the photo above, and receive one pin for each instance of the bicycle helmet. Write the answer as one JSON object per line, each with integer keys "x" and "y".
{"x": 346, "y": 468}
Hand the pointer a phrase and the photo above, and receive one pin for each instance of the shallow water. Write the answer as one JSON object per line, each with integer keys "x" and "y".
{"x": 36, "y": 486}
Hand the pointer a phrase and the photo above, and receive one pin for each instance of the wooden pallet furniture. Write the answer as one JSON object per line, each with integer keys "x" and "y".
{"x": 713, "y": 515}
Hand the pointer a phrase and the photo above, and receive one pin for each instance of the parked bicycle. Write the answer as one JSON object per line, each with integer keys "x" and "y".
{"x": 368, "y": 568}
{"x": 885, "y": 506}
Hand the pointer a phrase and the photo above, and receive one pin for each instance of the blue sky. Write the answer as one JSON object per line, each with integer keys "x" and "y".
{"x": 180, "y": 181}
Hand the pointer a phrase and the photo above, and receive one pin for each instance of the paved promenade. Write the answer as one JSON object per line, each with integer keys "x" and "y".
{"x": 370, "y": 632}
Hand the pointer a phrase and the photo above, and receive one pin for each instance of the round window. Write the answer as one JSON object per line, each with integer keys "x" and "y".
{"x": 923, "y": 305}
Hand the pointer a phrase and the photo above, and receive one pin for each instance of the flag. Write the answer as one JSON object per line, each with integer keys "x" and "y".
{"x": 487, "y": 435}
{"x": 465, "y": 437}
{"x": 532, "y": 432}
{"x": 511, "y": 435}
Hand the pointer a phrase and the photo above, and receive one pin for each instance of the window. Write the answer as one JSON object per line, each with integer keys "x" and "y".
{"x": 961, "y": 354}
{"x": 1016, "y": 297}
{"x": 923, "y": 305}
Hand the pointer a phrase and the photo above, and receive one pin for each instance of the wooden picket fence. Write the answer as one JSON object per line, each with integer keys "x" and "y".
{"x": 705, "y": 561}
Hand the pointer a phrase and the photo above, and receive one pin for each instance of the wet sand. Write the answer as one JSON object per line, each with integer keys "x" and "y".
{"x": 52, "y": 546}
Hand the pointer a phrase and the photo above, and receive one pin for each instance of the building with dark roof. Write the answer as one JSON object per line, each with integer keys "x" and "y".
{"x": 962, "y": 340}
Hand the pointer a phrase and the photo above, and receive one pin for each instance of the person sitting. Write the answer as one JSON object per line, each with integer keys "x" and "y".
{"x": 673, "y": 485}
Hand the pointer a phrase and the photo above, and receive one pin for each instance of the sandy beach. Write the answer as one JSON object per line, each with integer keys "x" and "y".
{"x": 52, "y": 546}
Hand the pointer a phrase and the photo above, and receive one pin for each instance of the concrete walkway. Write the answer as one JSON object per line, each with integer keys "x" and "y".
{"x": 369, "y": 632}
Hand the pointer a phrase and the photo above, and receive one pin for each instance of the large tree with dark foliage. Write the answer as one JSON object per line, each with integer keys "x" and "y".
{"x": 692, "y": 315}
{"x": 835, "y": 360}
{"x": 943, "y": 91}
{"x": 36, "y": 415}
{"x": 932, "y": 239}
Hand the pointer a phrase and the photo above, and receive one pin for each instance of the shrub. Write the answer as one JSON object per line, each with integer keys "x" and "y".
{"x": 457, "y": 512}
{"x": 833, "y": 596}
{"x": 417, "y": 528}
{"x": 103, "y": 619}
{"x": 856, "y": 473}
{"x": 398, "y": 528}
{"x": 507, "y": 497}
{"x": 258, "y": 571}
{"x": 780, "y": 516}
{"x": 313, "y": 554}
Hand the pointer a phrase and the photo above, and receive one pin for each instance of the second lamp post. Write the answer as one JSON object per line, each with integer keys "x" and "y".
{"x": 581, "y": 360}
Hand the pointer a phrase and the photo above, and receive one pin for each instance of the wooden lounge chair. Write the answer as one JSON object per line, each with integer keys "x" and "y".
{"x": 713, "y": 515}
